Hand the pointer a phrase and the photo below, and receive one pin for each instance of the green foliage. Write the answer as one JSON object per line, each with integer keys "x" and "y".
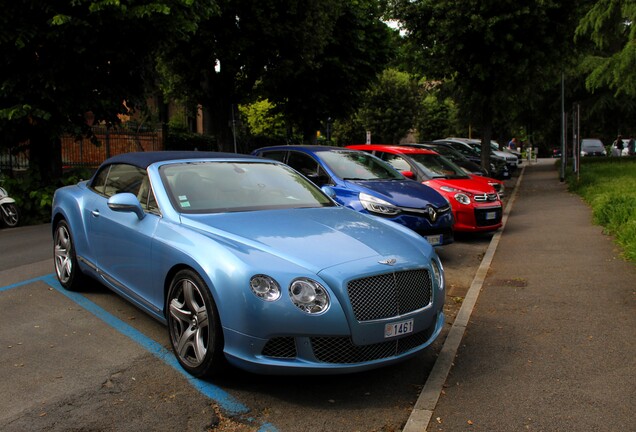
{"x": 34, "y": 201}
{"x": 263, "y": 119}
{"x": 62, "y": 60}
{"x": 609, "y": 186}
{"x": 389, "y": 108}
{"x": 182, "y": 139}
{"x": 438, "y": 118}
{"x": 611, "y": 25}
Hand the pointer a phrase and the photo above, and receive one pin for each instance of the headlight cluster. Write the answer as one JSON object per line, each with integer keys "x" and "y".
{"x": 377, "y": 205}
{"x": 306, "y": 294}
{"x": 265, "y": 287}
{"x": 461, "y": 196}
{"x": 438, "y": 273}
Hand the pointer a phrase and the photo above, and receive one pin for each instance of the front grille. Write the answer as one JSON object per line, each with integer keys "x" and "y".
{"x": 480, "y": 216}
{"x": 280, "y": 347}
{"x": 342, "y": 349}
{"x": 486, "y": 197}
{"x": 390, "y": 294}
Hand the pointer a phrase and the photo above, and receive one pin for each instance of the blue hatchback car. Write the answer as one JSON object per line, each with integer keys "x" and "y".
{"x": 367, "y": 184}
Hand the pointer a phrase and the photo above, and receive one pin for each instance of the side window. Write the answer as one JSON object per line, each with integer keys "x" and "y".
{"x": 309, "y": 167}
{"x": 278, "y": 155}
{"x": 146, "y": 197}
{"x": 99, "y": 181}
{"x": 395, "y": 161}
{"x": 119, "y": 178}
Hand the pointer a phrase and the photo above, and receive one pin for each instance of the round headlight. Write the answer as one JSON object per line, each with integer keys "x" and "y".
{"x": 309, "y": 296}
{"x": 265, "y": 287}
{"x": 438, "y": 272}
{"x": 462, "y": 198}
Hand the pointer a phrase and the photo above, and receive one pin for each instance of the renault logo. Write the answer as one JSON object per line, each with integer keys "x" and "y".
{"x": 432, "y": 214}
{"x": 388, "y": 261}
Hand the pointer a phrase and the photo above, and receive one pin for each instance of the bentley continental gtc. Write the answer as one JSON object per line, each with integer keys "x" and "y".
{"x": 249, "y": 263}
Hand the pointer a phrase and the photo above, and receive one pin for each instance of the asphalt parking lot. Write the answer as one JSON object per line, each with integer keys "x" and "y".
{"x": 89, "y": 361}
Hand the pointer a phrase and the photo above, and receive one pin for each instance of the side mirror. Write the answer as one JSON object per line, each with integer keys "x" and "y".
{"x": 127, "y": 203}
{"x": 408, "y": 174}
{"x": 328, "y": 190}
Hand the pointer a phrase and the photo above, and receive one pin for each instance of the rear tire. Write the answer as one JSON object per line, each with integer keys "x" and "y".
{"x": 194, "y": 327}
{"x": 10, "y": 215}
{"x": 66, "y": 268}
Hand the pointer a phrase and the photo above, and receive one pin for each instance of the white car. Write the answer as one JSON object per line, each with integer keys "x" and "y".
{"x": 625, "y": 150}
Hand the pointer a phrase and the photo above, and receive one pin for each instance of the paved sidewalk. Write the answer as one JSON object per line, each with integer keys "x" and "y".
{"x": 551, "y": 342}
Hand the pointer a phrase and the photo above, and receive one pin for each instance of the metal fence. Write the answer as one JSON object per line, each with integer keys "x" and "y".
{"x": 84, "y": 152}
{"x": 110, "y": 142}
{"x": 14, "y": 159}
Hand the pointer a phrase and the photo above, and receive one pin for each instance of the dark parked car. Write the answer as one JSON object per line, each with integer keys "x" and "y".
{"x": 499, "y": 168}
{"x": 367, "y": 184}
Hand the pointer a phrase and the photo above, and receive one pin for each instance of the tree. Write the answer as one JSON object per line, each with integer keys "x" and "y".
{"x": 66, "y": 62}
{"x": 494, "y": 53}
{"x": 310, "y": 59}
{"x": 611, "y": 25}
{"x": 389, "y": 108}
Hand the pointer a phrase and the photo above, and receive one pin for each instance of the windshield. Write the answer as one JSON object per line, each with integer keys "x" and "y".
{"x": 436, "y": 166}
{"x": 354, "y": 165}
{"x": 592, "y": 144}
{"x": 215, "y": 187}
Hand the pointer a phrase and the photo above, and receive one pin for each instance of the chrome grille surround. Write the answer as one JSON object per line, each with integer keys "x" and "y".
{"x": 390, "y": 294}
{"x": 487, "y": 197}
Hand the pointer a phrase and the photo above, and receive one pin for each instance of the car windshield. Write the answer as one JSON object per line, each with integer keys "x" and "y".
{"x": 592, "y": 144}
{"x": 354, "y": 165}
{"x": 436, "y": 166}
{"x": 216, "y": 187}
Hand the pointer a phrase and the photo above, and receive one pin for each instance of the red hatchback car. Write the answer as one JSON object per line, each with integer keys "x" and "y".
{"x": 475, "y": 204}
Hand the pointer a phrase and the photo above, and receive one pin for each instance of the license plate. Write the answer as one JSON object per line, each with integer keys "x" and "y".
{"x": 491, "y": 215}
{"x": 434, "y": 240}
{"x": 398, "y": 328}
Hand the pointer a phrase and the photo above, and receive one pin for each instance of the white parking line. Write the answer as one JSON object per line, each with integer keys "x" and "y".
{"x": 423, "y": 410}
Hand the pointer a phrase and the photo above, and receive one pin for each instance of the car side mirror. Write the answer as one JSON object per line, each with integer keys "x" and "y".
{"x": 408, "y": 174}
{"x": 127, "y": 203}
{"x": 328, "y": 190}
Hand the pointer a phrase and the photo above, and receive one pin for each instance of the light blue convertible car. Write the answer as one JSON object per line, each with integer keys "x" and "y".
{"x": 249, "y": 262}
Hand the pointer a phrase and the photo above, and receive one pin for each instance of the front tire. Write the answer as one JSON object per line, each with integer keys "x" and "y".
{"x": 10, "y": 215}
{"x": 193, "y": 323}
{"x": 66, "y": 269}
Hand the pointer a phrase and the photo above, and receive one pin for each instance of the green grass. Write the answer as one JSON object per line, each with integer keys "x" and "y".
{"x": 609, "y": 186}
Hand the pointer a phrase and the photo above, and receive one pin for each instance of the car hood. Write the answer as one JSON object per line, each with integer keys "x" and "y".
{"x": 470, "y": 185}
{"x": 315, "y": 239}
{"x": 403, "y": 193}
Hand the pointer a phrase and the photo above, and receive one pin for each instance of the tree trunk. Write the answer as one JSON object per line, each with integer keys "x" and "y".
{"x": 46, "y": 156}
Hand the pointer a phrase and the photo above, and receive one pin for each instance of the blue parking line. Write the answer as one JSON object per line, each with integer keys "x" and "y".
{"x": 222, "y": 398}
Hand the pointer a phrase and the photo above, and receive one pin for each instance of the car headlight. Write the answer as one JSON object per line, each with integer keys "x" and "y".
{"x": 265, "y": 287}
{"x": 462, "y": 198}
{"x": 377, "y": 205}
{"x": 438, "y": 273}
{"x": 460, "y": 195}
{"x": 309, "y": 296}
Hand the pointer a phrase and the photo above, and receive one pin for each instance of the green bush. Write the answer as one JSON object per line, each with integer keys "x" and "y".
{"x": 33, "y": 200}
{"x": 181, "y": 139}
{"x": 609, "y": 186}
